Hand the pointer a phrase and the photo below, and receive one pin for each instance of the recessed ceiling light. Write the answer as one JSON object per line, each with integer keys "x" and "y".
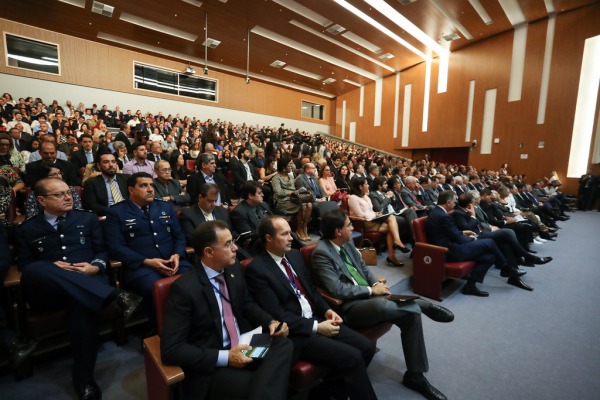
{"x": 386, "y": 56}
{"x": 102, "y": 9}
{"x": 352, "y": 82}
{"x": 328, "y": 81}
{"x": 196, "y": 3}
{"x": 362, "y": 42}
{"x": 211, "y": 43}
{"x": 76, "y": 3}
{"x": 302, "y": 72}
{"x": 277, "y": 64}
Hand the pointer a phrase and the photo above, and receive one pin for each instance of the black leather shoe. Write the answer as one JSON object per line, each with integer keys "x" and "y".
{"x": 18, "y": 353}
{"x": 127, "y": 303}
{"x": 516, "y": 281}
{"x": 512, "y": 272}
{"x": 548, "y": 235}
{"x": 394, "y": 264}
{"x": 552, "y": 230}
{"x": 540, "y": 260}
{"x": 402, "y": 249}
{"x": 421, "y": 385}
{"x": 438, "y": 313}
{"x": 560, "y": 218}
{"x": 90, "y": 392}
{"x": 474, "y": 291}
{"x": 531, "y": 251}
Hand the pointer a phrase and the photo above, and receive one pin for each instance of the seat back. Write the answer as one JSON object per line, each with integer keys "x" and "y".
{"x": 344, "y": 205}
{"x": 419, "y": 231}
{"x": 161, "y": 294}
{"x": 307, "y": 252}
{"x": 190, "y": 165}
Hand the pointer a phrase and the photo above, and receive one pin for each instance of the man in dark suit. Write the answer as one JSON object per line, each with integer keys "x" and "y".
{"x": 409, "y": 198}
{"x": 241, "y": 167}
{"x": 207, "y": 167}
{"x": 48, "y": 152}
{"x": 207, "y": 310}
{"x": 146, "y": 237}
{"x": 167, "y": 188}
{"x": 20, "y": 141}
{"x": 281, "y": 285}
{"x": 340, "y": 269}
{"x": 86, "y": 155}
{"x": 204, "y": 210}
{"x": 464, "y": 246}
{"x": 63, "y": 261}
{"x": 123, "y": 136}
{"x": 308, "y": 180}
{"x": 465, "y": 217}
{"x": 156, "y": 153}
{"x": 106, "y": 189}
{"x": 247, "y": 214}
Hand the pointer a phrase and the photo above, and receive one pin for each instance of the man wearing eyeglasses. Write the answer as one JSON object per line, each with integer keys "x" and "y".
{"x": 208, "y": 309}
{"x": 167, "y": 188}
{"x": 63, "y": 261}
{"x": 144, "y": 234}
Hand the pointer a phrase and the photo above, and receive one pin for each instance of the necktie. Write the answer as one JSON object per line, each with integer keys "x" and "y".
{"x": 114, "y": 190}
{"x": 146, "y": 211}
{"x": 17, "y": 144}
{"x": 228, "y": 318}
{"x": 314, "y": 187}
{"x": 89, "y": 157}
{"x": 60, "y": 223}
{"x": 294, "y": 278}
{"x": 355, "y": 274}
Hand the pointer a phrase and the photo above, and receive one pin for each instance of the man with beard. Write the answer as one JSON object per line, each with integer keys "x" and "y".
{"x": 106, "y": 189}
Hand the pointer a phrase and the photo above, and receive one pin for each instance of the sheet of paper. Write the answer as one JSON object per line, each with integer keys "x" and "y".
{"x": 246, "y": 337}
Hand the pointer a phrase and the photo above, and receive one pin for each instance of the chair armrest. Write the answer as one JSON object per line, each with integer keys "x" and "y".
{"x": 170, "y": 374}
{"x": 13, "y": 277}
{"x": 432, "y": 247}
{"x": 189, "y": 250}
{"x": 332, "y": 301}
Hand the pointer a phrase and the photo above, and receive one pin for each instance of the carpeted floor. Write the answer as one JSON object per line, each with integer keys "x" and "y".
{"x": 512, "y": 345}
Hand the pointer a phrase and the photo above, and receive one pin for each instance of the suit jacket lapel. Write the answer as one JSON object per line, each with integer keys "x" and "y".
{"x": 274, "y": 269}
{"x": 337, "y": 258}
{"x": 211, "y": 299}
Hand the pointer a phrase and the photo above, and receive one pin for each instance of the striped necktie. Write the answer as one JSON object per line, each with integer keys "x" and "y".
{"x": 114, "y": 190}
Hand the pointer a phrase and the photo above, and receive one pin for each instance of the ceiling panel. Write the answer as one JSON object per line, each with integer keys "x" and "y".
{"x": 229, "y": 22}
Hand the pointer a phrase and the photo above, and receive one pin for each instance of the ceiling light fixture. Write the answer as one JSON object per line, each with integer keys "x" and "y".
{"x": 206, "y": 43}
{"x": 302, "y": 72}
{"x": 352, "y": 82}
{"x": 248, "y": 60}
{"x": 304, "y": 12}
{"x": 485, "y": 17}
{"x": 382, "y": 28}
{"x": 441, "y": 8}
{"x": 196, "y": 3}
{"x": 259, "y": 30}
{"x": 362, "y": 42}
{"x": 155, "y": 26}
{"x": 277, "y": 64}
{"x": 328, "y": 81}
{"x": 340, "y": 44}
{"x": 102, "y": 9}
{"x": 76, "y": 3}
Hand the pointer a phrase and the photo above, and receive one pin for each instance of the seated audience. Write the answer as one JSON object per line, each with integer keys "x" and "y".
{"x": 140, "y": 162}
{"x": 106, "y": 189}
{"x": 63, "y": 261}
{"x": 340, "y": 269}
{"x": 360, "y": 207}
{"x": 33, "y": 207}
{"x": 281, "y": 285}
{"x": 207, "y": 173}
{"x": 49, "y": 156}
{"x": 250, "y": 211}
{"x": 213, "y": 295}
{"x": 382, "y": 200}
{"x": 144, "y": 234}
{"x": 283, "y": 188}
{"x": 167, "y": 188}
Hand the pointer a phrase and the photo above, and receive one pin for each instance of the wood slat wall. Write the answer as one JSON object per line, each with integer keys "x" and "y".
{"x": 488, "y": 63}
{"x": 91, "y": 64}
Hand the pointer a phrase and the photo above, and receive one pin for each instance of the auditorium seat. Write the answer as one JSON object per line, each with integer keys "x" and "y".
{"x": 430, "y": 268}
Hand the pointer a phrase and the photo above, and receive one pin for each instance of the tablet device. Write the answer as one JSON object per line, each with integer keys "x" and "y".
{"x": 399, "y": 298}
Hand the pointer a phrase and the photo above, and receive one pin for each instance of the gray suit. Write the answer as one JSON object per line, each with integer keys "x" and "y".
{"x": 303, "y": 182}
{"x": 173, "y": 189}
{"x": 360, "y": 310}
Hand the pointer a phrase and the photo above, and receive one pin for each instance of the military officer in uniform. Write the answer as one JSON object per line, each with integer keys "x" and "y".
{"x": 145, "y": 236}
{"x": 63, "y": 261}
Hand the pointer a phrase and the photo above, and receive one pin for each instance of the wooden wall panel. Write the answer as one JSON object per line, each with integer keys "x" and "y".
{"x": 98, "y": 65}
{"x": 488, "y": 63}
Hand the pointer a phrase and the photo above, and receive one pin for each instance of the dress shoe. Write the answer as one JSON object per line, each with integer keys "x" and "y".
{"x": 420, "y": 384}
{"x": 533, "y": 260}
{"x": 531, "y": 251}
{"x": 548, "y": 235}
{"x": 552, "y": 230}
{"x": 90, "y": 392}
{"x": 402, "y": 248}
{"x": 394, "y": 263}
{"x": 18, "y": 353}
{"x": 127, "y": 303}
{"x": 516, "y": 281}
{"x": 561, "y": 218}
{"x": 474, "y": 291}
{"x": 438, "y": 313}
{"x": 512, "y": 272}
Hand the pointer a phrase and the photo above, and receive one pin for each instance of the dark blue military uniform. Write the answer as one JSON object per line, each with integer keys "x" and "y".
{"x": 48, "y": 287}
{"x": 131, "y": 237}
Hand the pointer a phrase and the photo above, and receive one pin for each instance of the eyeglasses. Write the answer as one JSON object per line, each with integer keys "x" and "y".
{"x": 229, "y": 245}
{"x": 58, "y": 195}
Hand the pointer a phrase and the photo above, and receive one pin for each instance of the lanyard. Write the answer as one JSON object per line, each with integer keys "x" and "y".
{"x": 220, "y": 293}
